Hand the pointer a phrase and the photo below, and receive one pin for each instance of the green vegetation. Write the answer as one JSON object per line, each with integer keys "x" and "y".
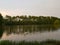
{"x": 48, "y": 42}
{"x": 26, "y": 20}
{"x": 29, "y": 20}
{"x": 1, "y": 25}
{"x": 49, "y": 22}
{"x": 1, "y": 19}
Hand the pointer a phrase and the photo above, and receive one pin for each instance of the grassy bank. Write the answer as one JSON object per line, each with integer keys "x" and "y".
{"x": 47, "y": 42}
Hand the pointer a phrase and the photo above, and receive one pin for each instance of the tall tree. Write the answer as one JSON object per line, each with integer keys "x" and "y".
{"x": 1, "y": 27}
{"x": 1, "y": 19}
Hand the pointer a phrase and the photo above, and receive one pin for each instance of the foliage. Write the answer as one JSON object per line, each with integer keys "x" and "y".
{"x": 1, "y": 25}
{"x": 29, "y": 20}
{"x": 47, "y": 42}
{"x": 1, "y": 19}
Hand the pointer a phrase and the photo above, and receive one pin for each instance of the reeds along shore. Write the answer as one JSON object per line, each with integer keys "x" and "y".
{"x": 47, "y": 42}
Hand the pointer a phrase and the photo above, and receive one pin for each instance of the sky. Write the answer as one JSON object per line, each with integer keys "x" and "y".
{"x": 30, "y": 7}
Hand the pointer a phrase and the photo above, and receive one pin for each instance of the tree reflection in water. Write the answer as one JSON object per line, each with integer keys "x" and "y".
{"x": 1, "y": 31}
{"x": 25, "y": 29}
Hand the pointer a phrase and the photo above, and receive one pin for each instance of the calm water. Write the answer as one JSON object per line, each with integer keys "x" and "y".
{"x": 30, "y": 33}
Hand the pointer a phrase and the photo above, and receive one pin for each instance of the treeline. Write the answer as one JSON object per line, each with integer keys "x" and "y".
{"x": 29, "y": 20}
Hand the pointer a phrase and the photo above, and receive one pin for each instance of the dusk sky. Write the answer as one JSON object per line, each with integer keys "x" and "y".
{"x": 30, "y": 7}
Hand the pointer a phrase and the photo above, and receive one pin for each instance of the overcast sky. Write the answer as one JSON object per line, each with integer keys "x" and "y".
{"x": 30, "y": 7}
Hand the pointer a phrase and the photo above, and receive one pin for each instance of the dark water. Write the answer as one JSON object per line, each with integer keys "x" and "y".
{"x": 31, "y": 32}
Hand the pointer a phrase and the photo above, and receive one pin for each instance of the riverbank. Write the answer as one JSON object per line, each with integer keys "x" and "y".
{"x": 47, "y": 42}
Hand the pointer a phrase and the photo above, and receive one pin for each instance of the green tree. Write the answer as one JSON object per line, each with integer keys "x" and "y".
{"x": 1, "y": 26}
{"x": 57, "y": 22}
{"x": 1, "y": 19}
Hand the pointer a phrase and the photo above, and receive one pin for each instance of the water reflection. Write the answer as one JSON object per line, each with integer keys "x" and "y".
{"x": 1, "y": 31}
{"x": 31, "y": 32}
{"x": 16, "y": 29}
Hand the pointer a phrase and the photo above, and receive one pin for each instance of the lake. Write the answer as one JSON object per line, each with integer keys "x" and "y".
{"x": 30, "y": 32}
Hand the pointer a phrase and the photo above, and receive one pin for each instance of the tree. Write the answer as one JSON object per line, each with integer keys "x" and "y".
{"x": 57, "y": 22}
{"x": 1, "y": 26}
{"x": 1, "y": 19}
{"x": 8, "y": 17}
